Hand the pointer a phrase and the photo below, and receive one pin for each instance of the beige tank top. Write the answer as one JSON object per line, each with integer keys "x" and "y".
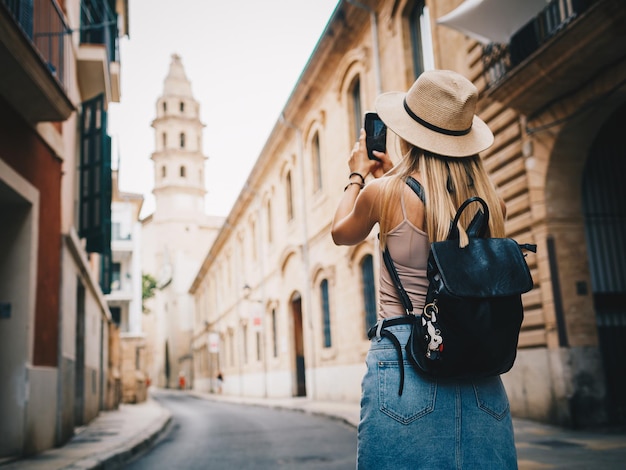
{"x": 408, "y": 247}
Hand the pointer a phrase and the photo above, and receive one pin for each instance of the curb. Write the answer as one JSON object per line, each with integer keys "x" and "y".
{"x": 116, "y": 457}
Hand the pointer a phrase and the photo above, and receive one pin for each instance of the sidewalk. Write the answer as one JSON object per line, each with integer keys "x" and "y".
{"x": 107, "y": 442}
{"x": 115, "y": 436}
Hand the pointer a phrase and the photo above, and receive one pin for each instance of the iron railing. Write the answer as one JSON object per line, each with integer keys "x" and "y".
{"x": 500, "y": 59}
{"x": 98, "y": 25}
{"x": 43, "y": 24}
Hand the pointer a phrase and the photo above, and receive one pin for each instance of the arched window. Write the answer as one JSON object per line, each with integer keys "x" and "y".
{"x": 289, "y": 191}
{"x": 182, "y": 106}
{"x": 182, "y": 140}
{"x": 182, "y": 171}
{"x": 164, "y": 137}
{"x": 357, "y": 114}
{"x": 164, "y": 105}
{"x": 316, "y": 162}
{"x": 369, "y": 291}
{"x": 269, "y": 222}
{"x": 274, "y": 333}
{"x": 325, "y": 313}
{"x": 163, "y": 171}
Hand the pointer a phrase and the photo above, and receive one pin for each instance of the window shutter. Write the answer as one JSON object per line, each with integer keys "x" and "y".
{"x": 95, "y": 178}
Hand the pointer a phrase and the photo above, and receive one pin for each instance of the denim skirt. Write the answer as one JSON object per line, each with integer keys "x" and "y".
{"x": 436, "y": 423}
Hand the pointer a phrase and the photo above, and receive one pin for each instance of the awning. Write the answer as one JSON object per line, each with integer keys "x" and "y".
{"x": 492, "y": 20}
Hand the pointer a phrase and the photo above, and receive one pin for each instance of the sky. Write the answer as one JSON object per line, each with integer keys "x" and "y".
{"x": 243, "y": 59}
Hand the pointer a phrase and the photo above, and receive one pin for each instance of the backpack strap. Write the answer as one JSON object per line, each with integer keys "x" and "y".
{"x": 404, "y": 297}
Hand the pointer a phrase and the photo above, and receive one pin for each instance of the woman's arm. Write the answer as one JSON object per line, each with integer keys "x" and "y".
{"x": 356, "y": 214}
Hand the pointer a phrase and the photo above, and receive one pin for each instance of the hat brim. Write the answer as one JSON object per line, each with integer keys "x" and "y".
{"x": 390, "y": 108}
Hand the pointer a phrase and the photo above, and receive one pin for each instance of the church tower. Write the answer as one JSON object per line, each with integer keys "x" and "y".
{"x": 179, "y": 188}
{"x": 178, "y": 235}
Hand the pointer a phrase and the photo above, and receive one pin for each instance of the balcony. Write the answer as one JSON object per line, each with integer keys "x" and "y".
{"x": 98, "y": 52}
{"x": 555, "y": 53}
{"x": 35, "y": 51}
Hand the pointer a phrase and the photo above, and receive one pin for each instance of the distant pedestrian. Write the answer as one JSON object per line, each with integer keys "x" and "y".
{"x": 181, "y": 380}
{"x": 220, "y": 382}
{"x": 422, "y": 423}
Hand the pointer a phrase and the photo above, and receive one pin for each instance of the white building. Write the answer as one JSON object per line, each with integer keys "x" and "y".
{"x": 177, "y": 236}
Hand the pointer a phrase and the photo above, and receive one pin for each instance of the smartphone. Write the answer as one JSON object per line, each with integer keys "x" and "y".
{"x": 375, "y": 135}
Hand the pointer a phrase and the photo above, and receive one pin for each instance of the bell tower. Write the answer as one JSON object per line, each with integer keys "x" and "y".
{"x": 179, "y": 187}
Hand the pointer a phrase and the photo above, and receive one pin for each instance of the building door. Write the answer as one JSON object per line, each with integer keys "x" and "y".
{"x": 17, "y": 306}
{"x": 604, "y": 205}
{"x": 298, "y": 345}
{"x": 79, "y": 374}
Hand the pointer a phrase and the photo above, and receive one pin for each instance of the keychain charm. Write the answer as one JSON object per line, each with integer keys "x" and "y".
{"x": 433, "y": 336}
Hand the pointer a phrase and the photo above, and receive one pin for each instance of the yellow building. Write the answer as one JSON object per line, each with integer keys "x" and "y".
{"x": 281, "y": 311}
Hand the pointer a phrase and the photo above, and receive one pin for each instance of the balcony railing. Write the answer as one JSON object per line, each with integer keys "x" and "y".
{"x": 499, "y": 59}
{"x": 42, "y": 22}
{"x": 99, "y": 26}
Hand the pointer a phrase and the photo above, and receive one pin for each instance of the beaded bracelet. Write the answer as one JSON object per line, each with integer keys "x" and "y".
{"x": 354, "y": 173}
{"x": 351, "y": 183}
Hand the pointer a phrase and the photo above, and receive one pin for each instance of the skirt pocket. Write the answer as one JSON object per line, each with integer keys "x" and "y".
{"x": 418, "y": 396}
{"x": 491, "y": 397}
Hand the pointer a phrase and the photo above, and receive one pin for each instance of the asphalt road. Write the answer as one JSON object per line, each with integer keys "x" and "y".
{"x": 208, "y": 435}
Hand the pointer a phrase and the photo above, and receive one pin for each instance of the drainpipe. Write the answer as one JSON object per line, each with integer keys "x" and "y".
{"x": 376, "y": 51}
{"x": 305, "y": 244}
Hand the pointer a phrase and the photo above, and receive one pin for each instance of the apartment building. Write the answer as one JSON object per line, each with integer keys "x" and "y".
{"x": 60, "y": 70}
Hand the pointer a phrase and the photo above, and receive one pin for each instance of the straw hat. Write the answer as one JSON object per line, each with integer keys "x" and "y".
{"x": 437, "y": 114}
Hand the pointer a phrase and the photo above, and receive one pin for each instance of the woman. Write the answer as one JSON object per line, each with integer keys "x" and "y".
{"x": 432, "y": 424}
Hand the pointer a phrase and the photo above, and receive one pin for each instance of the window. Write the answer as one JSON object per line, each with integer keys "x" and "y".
{"x": 163, "y": 171}
{"x": 244, "y": 334}
{"x": 231, "y": 348}
{"x": 274, "y": 334}
{"x": 182, "y": 106}
{"x": 116, "y": 314}
{"x": 357, "y": 117}
{"x": 164, "y": 140}
{"x": 325, "y": 313}
{"x": 164, "y": 106}
{"x": 116, "y": 276}
{"x": 369, "y": 291}
{"x": 253, "y": 240}
{"x": 269, "y": 222}
{"x": 96, "y": 185}
{"x": 182, "y": 171}
{"x": 182, "y": 140}
{"x": 421, "y": 42}
{"x": 289, "y": 190}
{"x": 316, "y": 162}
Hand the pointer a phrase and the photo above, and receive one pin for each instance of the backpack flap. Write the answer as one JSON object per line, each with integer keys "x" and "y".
{"x": 487, "y": 267}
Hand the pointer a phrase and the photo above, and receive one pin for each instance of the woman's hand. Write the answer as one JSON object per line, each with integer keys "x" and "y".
{"x": 360, "y": 163}
{"x": 383, "y": 165}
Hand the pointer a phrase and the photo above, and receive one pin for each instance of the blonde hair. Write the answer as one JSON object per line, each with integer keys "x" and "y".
{"x": 447, "y": 183}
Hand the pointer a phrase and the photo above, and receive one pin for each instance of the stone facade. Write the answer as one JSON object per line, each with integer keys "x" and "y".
{"x": 300, "y": 327}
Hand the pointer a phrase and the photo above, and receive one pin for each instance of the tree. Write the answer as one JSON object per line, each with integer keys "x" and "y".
{"x": 148, "y": 286}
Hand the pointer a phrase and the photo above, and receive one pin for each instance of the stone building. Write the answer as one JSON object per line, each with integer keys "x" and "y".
{"x": 60, "y": 70}
{"x": 283, "y": 312}
{"x": 177, "y": 236}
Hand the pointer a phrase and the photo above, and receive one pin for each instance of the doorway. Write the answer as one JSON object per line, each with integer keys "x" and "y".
{"x": 604, "y": 206}
{"x": 79, "y": 371}
{"x": 298, "y": 346}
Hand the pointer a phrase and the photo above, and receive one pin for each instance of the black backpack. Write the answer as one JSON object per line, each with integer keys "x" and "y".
{"x": 470, "y": 324}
